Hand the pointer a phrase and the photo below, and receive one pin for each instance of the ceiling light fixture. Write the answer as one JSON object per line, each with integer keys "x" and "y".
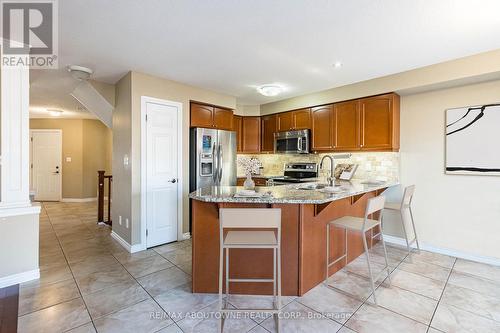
{"x": 270, "y": 89}
{"x": 79, "y": 72}
{"x": 55, "y": 113}
{"x": 337, "y": 64}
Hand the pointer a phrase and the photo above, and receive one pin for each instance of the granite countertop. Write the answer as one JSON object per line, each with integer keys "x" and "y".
{"x": 286, "y": 193}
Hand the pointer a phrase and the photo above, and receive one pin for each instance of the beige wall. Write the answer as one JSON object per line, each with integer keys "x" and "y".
{"x": 484, "y": 66}
{"x": 459, "y": 213}
{"x": 88, "y": 144}
{"x": 127, "y": 121}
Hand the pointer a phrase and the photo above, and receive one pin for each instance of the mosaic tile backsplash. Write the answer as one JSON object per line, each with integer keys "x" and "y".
{"x": 377, "y": 165}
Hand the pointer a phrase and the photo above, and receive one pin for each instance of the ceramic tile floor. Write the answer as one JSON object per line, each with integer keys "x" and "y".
{"x": 90, "y": 283}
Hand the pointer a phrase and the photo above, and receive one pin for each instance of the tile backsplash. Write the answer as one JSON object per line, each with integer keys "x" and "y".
{"x": 376, "y": 165}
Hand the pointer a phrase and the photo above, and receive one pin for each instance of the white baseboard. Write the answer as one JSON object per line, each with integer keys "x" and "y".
{"x": 453, "y": 253}
{"x": 186, "y": 235}
{"x": 126, "y": 245}
{"x": 19, "y": 278}
{"x": 78, "y": 199}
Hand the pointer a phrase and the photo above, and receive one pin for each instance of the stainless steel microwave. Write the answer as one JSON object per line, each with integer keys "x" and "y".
{"x": 292, "y": 142}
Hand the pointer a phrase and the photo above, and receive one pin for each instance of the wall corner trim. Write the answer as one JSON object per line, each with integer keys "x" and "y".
{"x": 19, "y": 278}
{"x": 453, "y": 253}
{"x": 126, "y": 245}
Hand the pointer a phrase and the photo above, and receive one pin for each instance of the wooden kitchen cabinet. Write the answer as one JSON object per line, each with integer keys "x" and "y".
{"x": 209, "y": 116}
{"x": 285, "y": 121}
{"x": 237, "y": 127}
{"x": 323, "y": 128}
{"x": 259, "y": 181}
{"x": 294, "y": 120}
{"x": 379, "y": 118}
{"x": 302, "y": 119}
{"x": 223, "y": 119}
{"x": 250, "y": 134}
{"x": 347, "y": 126}
{"x": 268, "y": 128}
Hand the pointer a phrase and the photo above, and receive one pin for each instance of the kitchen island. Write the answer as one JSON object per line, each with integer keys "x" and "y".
{"x": 305, "y": 214}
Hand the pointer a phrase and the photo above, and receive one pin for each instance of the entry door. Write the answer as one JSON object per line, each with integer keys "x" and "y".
{"x": 47, "y": 166}
{"x": 162, "y": 186}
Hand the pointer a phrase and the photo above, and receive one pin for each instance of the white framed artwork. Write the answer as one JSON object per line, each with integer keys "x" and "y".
{"x": 473, "y": 140}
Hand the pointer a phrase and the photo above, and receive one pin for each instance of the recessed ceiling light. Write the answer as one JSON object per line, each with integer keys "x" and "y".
{"x": 55, "y": 113}
{"x": 270, "y": 89}
{"x": 337, "y": 64}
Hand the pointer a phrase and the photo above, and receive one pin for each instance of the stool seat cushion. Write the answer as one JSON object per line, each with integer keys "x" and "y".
{"x": 250, "y": 238}
{"x": 393, "y": 205}
{"x": 355, "y": 223}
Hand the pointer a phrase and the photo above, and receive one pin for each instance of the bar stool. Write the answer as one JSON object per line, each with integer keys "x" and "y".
{"x": 248, "y": 219}
{"x": 402, "y": 207}
{"x": 361, "y": 225}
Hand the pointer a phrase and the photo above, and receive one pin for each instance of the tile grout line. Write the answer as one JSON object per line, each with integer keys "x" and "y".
{"x": 71, "y": 271}
{"x": 442, "y": 293}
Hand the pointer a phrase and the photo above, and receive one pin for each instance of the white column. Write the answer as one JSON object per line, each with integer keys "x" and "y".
{"x": 14, "y": 136}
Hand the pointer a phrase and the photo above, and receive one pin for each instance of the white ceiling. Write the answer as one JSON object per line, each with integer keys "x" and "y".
{"x": 234, "y": 46}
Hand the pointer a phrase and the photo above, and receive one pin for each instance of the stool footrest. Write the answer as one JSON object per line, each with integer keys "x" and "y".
{"x": 376, "y": 235}
{"x": 250, "y": 280}
{"x": 336, "y": 260}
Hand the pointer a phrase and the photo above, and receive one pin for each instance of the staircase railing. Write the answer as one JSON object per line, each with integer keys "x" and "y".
{"x": 101, "y": 180}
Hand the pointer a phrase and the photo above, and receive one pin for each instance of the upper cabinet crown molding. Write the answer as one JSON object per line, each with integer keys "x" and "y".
{"x": 210, "y": 116}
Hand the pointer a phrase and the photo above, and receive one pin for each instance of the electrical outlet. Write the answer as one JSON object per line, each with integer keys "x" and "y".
{"x": 126, "y": 223}
{"x": 120, "y": 220}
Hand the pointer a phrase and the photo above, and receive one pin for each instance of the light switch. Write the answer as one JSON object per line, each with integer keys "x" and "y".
{"x": 68, "y": 159}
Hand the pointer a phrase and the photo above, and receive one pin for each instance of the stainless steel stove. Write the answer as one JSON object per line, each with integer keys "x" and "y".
{"x": 298, "y": 173}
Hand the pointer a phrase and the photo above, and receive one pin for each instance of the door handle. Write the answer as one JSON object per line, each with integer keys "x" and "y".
{"x": 173, "y": 181}
{"x": 215, "y": 166}
{"x": 56, "y": 173}
{"x": 220, "y": 163}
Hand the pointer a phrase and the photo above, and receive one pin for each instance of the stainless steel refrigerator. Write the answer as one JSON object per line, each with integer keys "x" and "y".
{"x": 212, "y": 158}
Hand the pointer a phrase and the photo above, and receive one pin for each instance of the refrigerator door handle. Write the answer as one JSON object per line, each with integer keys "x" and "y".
{"x": 221, "y": 151}
{"x": 214, "y": 165}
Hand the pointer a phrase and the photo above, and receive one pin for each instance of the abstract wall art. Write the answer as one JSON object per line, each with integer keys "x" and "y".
{"x": 473, "y": 140}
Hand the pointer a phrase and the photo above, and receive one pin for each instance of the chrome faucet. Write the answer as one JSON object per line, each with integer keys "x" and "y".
{"x": 331, "y": 179}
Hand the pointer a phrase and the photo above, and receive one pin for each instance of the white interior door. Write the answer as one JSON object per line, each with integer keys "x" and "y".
{"x": 47, "y": 166}
{"x": 162, "y": 186}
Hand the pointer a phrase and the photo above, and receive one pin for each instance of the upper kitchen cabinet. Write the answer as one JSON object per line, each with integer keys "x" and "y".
{"x": 250, "y": 134}
{"x": 237, "y": 127}
{"x": 323, "y": 129}
{"x": 209, "y": 116}
{"x": 268, "y": 128}
{"x": 347, "y": 124}
{"x": 379, "y": 118}
{"x": 294, "y": 120}
{"x": 223, "y": 119}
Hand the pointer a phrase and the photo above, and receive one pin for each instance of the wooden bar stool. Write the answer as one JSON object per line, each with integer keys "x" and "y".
{"x": 402, "y": 207}
{"x": 248, "y": 219}
{"x": 361, "y": 225}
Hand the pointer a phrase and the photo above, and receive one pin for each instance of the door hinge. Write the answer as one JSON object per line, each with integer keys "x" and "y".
{"x": 31, "y": 139}
{"x": 32, "y": 165}
{"x": 146, "y": 117}
{"x": 146, "y": 232}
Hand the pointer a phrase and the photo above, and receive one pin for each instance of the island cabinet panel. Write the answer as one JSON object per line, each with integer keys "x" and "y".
{"x": 268, "y": 124}
{"x": 380, "y": 122}
{"x": 237, "y": 127}
{"x": 202, "y": 115}
{"x": 223, "y": 119}
{"x": 257, "y": 180}
{"x": 347, "y": 126}
{"x": 323, "y": 128}
{"x": 250, "y": 134}
{"x": 285, "y": 121}
{"x": 243, "y": 263}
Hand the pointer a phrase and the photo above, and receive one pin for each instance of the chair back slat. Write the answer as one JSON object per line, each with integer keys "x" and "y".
{"x": 374, "y": 205}
{"x": 408, "y": 194}
{"x": 250, "y": 217}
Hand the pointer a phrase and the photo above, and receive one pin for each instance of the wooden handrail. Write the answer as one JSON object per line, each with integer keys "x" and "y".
{"x": 100, "y": 197}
